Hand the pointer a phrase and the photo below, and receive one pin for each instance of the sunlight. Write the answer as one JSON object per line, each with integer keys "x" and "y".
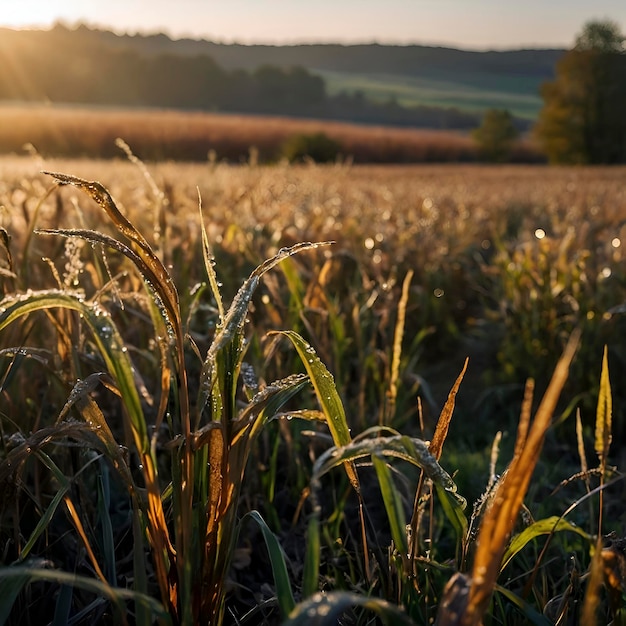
{"x": 39, "y": 13}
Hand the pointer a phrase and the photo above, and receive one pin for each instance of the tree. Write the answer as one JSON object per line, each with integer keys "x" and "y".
{"x": 582, "y": 120}
{"x": 496, "y": 135}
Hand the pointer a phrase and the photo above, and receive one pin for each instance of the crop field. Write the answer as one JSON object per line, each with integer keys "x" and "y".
{"x": 249, "y": 394}
{"x": 158, "y": 135}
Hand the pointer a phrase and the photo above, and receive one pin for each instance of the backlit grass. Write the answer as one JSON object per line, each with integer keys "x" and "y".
{"x": 206, "y": 420}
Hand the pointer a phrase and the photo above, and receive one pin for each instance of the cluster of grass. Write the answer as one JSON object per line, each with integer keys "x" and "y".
{"x": 156, "y": 135}
{"x": 179, "y": 459}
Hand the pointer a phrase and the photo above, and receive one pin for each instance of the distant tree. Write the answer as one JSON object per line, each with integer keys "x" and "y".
{"x": 582, "y": 120}
{"x": 496, "y": 135}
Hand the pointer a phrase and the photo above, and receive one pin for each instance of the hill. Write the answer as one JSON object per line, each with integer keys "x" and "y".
{"x": 366, "y": 83}
{"x": 411, "y": 74}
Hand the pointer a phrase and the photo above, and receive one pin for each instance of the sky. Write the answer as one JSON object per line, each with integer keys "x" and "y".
{"x": 470, "y": 24}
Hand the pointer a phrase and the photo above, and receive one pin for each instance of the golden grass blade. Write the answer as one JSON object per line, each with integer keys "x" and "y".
{"x": 443, "y": 423}
{"x": 582, "y": 455}
{"x": 159, "y": 196}
{"x": 603, "y": 435}
{"x": 102, "y": 197}
{"x": 604, "y": 413}
{"x": 592, "y": 599}
{"x": 392, "y": 392}
{"x": 499, "y": 519}
{"x": 83, "y": 536}
{"x": 525, "y": 418}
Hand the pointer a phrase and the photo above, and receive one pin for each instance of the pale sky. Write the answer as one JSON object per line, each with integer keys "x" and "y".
{"x": 458, "y": 23}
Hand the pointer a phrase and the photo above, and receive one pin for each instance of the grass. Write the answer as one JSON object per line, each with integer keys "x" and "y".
{"x": 518, "y": 95}
{"x": 307, "y": 451}
{"x": 57, "y": 131}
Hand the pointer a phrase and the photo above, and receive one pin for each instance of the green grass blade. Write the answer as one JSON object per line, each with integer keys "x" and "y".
{"x": 328, "y": 609}
{"x": 16, "y": 577}
{"x": 209, "y": 264}
{"x": 107, "y": 541}
{"x": 63, "y": 606}
{"x": 10, "y": 587}
{"x": 140, "y": 582}
{"x": 282, "y": 581}
{"x": 547, "y": 526}
{"x": 44, "y": 521}
{"x": 106, "y": 336}
{"x": 533, "y": 617}
{"x": 454, "y": 510}
{"x": 327, "y": 395}
{"x": 230, "y": 332}
{"x": 393, "y": 504}
{"x": 312, "y": 558}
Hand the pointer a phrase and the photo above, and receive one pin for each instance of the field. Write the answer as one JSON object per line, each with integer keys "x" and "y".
{"x": 320, "y": 449}
{"x": 157, "y": 135}
{"x": 464, "y": 91}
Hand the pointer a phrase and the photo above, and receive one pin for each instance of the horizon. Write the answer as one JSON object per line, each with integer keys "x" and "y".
{"x": 184, "y": 37}
{"x": 476, "y": 25}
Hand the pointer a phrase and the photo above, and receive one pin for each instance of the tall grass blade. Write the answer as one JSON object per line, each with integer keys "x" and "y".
{"x": 236, "y": 316}
{"x": 18, "y": 576}
{"x": 312, "y": 558}
{"x": 393, "y": 505}
{"x": 499, "y": 519}
{"x": 63, "y": 606}
{"x": 604, "y": 413}
{"x": 11, "y": 586}
{"x": 106, "y": 526}
{"x": 392, "y": 392}
{"x": 592, "y": 599}
{"x": 604, "y": 418}
{"x": 443, "y": 423}
{"x": 533, "y": 617}
{"x": 112, "y": 349}
{"x": 282, "y": 581}
{"x": 209, "y": 264}
{"x": 326, "y": 392}
{"x": 110, "y": 345}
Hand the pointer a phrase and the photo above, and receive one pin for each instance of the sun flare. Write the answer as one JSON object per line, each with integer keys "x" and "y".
{"x": 27, "y": 13}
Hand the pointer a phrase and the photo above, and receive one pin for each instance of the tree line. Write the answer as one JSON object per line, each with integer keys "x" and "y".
{"x": 62, "y": 68}
{"x": 583, "y": 120}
